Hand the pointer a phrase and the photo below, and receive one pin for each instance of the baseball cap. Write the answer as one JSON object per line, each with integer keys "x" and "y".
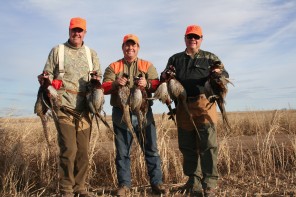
{"x": 193, "y": 29}
{"x": 77, "y": 23}
{"x": 131, "y": 37}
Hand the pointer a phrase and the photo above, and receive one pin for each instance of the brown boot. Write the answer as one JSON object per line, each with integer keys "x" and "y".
{"x": 123, "y": 191}
{"x": 160, "y": 189}
{"x": 185, "y": 189}
{"x": 192, "y": 190}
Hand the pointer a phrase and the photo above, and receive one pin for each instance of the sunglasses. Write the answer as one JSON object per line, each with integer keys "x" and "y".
{"x": 77, "y": 29}
{"x": 190, "y": 36}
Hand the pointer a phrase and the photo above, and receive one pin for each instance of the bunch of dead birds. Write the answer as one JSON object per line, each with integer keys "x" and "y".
{"x": 136, "y": 101}
{"x": 171, "y": 90}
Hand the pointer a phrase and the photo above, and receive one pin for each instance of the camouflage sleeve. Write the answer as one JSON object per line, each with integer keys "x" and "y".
{"x": 96, "y": 62}
{"x": 51, "y": 65}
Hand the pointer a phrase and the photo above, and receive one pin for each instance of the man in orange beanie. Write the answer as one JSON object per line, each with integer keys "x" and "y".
{"x": 127, "y": 72}
{"x": 68, "y": 69}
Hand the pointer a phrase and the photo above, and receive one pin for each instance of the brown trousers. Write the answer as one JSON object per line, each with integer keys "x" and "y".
{"x": 73, "y": 140}
{"x": 198, "y": 108}
{"x": 200, "y": 152}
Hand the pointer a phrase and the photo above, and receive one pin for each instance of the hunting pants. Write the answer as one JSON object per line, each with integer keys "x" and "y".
{"x": 73, "y": 140}
{"x": 123, "y": 144}
{"x": 199, "y": 150}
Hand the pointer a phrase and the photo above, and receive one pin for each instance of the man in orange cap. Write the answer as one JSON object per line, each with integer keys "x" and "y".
{"x": 68, "y": 69}
{"x": 122, "y": 73}
{"x": 199, "y": 150}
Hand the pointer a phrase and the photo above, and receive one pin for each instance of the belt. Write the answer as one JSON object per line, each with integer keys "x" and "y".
{"x": 192, "y": 99}
{"x": 75, "y": 92}
{"x": 72, "y": 112}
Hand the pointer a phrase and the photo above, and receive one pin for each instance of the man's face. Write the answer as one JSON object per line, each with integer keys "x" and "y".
{"x": 193, "y": 41}
{"x": 76, "y": 36}
{"x": 130, "y": 50}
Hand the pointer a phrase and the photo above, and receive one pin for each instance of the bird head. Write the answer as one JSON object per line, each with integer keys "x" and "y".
{"x": 215, "y": 64}
{"x": 137, "y": 78}
{"x": 168, "y": 73}
{"x": 43, "y": 79}
{"x": 125, "y": 75}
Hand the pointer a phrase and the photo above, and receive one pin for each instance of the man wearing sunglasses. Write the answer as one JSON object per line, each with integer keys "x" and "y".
{"x": 199, "y": 148}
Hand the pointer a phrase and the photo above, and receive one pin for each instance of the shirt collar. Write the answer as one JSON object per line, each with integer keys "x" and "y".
{"x": 130, "y": 63}
{"x": 195, "y": 55}
{"x": 73, "y": 47}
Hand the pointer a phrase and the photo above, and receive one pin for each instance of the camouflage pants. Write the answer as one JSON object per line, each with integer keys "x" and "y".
{"x": 200, "y": 152}
{"x": 73, "y": 140}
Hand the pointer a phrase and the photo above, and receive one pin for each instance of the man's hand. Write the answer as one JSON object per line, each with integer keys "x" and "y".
{"x": 94, "y": 75}
{"x": 142, "y": 82}
{"x": 217, "y": 70}
{"x": 121, "y": 81}
{"x": 43, "y": 79}
{"x": 95, "y": 80}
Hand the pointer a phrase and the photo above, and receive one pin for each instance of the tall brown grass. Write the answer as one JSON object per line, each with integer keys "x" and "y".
{"x": 258, "y": 158}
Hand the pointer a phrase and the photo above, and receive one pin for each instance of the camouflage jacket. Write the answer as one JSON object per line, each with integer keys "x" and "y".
{"x": 73, "y": 90}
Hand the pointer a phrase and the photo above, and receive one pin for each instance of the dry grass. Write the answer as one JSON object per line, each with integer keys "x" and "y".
{"x": 258, "y": 158}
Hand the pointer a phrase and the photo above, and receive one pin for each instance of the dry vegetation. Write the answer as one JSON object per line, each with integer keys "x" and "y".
{"x": 258, "y": 158}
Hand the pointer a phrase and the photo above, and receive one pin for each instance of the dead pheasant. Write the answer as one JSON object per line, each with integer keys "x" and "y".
{"x": 216, "y": 90}
{"x": 95, "y": 100}
{"x": 46, "y": 99}
{"x": 124, "y": 94}
{"x": 178, "y": 93}
{"x": 163, "y": 95}
{"x": 41, "y": 109}
{"x": 139, "y": 105}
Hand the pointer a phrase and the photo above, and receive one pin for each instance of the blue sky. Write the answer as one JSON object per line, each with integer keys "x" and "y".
{"x": 256, "y": 41}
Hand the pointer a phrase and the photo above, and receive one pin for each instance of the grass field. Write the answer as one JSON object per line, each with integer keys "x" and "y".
{"x": 258, "y": 158}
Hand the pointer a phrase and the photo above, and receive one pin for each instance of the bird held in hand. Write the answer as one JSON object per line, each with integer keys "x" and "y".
{"x": 95, "y": 100}
{"x": 139, "y": 104}
{"x": 124, "y": 96}
{"x": 178, "y": 93}
{"x": 216, "y": 90}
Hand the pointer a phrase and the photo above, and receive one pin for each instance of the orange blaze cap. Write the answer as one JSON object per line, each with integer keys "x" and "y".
{"x": 78, "y": 23}
{"x": 131, "y": 37}
{"x": 193, "y": 29}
